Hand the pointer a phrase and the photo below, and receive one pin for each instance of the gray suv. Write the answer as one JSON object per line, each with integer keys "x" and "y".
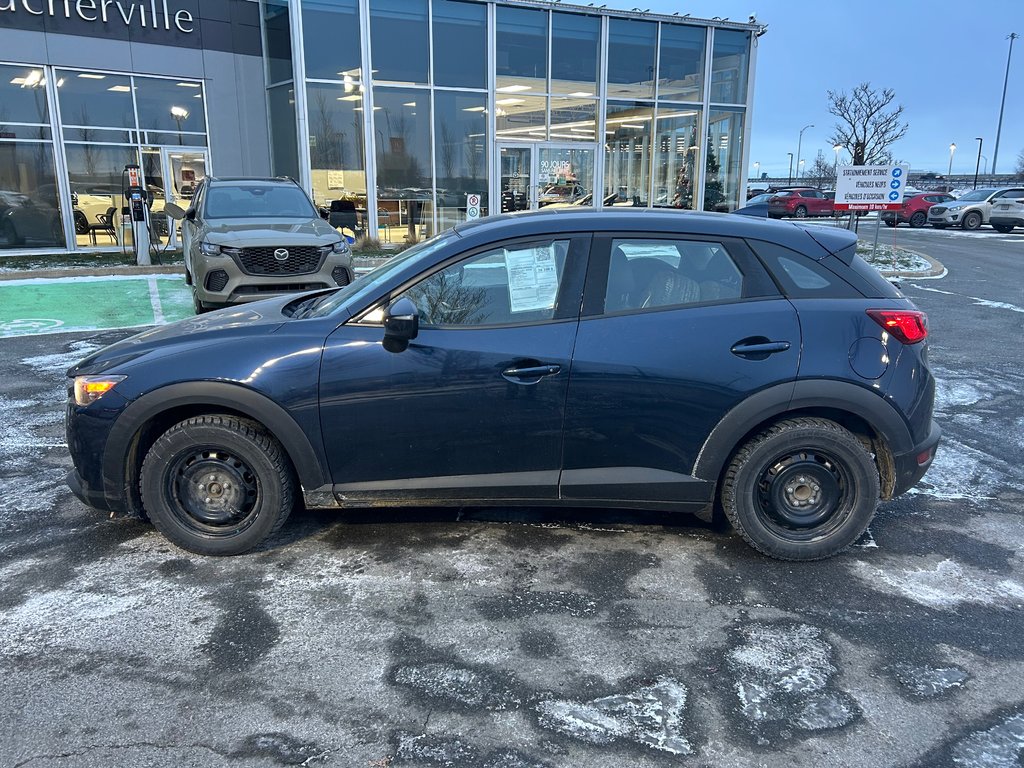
{"x": 249, "y": 239}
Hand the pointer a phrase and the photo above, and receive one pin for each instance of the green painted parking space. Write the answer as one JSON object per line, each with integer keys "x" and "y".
{"x": 40, "y": 306}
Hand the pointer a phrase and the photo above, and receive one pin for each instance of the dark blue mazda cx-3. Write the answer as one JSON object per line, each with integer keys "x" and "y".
{"x": 687, "y": 362}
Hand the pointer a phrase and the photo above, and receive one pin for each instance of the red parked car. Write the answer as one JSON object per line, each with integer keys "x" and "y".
{"x": 799, "y": 204}
{"x": 915, "y": 209}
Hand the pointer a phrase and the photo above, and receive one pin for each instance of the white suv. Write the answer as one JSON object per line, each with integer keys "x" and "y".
{"x": 972, "y": 210}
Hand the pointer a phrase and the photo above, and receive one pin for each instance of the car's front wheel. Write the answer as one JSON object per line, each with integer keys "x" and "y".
{"x": 217, "y": 485}
{"x": 803, "y": 489}
{"x": 972, "y": 220}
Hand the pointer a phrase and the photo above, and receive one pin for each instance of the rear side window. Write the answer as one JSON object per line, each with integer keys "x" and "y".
{"x": 801, "y": 277}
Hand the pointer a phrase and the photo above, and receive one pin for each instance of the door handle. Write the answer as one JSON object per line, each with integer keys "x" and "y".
{"x": 535, "y": 372}
{"x": 759, "y": 350}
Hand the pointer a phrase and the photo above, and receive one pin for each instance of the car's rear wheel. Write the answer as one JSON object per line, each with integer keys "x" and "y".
{"x": 919, "y": 219}
{"x": 972, "y": 220}
{"x": 890, "y": 222}
{"x": 800, "y": 212}
{"x": 217, "y": 485}
{"x": 1003, "y": 228}
{"x": 803, "y": 489}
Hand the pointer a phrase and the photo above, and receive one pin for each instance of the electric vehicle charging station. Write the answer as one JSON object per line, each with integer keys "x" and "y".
{"x": 138, "y": 213}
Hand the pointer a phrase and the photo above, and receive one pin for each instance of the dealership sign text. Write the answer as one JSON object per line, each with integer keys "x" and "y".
{"x": 153, "y": 14}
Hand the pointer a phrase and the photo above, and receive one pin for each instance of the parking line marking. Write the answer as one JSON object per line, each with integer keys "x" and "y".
{"x": 154, "y": 300}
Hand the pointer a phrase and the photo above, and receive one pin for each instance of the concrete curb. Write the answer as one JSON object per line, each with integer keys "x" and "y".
{"x": 937, "y": 269}
{"x": 70, "y": 274}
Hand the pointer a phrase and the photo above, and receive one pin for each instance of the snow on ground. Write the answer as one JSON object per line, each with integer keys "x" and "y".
{"x": 945, "y": 585}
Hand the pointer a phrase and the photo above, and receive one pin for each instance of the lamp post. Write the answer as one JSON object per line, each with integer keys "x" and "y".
{"x": 799, "y": 142}
{"x": 977, "y": 165}
{"x": 835, "y": 169}
{"x": 757, "y": 169}
{"x": 984, "y": 165}
{"x": 952, "y": 149}
{"x": 999, "y": 128}
{"x": 799, "y": 171}
{"x": 790, "y": 182}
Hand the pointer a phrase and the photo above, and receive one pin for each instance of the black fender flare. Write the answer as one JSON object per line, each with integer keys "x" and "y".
{"x": 308, "y": 463}
{"x": 779, "y": 399}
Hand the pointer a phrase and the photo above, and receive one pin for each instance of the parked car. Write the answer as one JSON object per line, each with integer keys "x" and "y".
{"x": 248, "y": 239}
{"x": 915, "y": 209}
{"x": 632, "y": 359}
{"x": 756, "y": 206}
{"x": 568, "y": 192}
{"x": 970, "y": 210}
{"x": 799, "y": 204}
{"x": 1007, "y": 213}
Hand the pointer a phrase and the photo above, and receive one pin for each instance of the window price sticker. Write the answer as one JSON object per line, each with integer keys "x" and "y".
{"x": 532, "y": 279}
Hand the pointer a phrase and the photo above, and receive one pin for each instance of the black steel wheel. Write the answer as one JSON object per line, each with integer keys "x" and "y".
{"x": 919, "y": 219}
{"x": 803, "y": 489}
{"x": 972, "y": 221}
{"x": 217, "y": 485}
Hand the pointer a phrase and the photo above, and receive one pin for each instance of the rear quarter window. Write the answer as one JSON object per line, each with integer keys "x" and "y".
{"x": 801, "y": 277}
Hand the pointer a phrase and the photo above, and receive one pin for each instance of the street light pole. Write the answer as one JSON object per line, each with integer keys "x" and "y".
{"x": 790, "y": 182}
{"x": 757, "y": 169}
{"x": 952, "y": 149}
{"x": 799, "y": 142}
{"x": 835, "y": 169}
{"x": 999, "y": 128}
{"x": 977, "y": 165}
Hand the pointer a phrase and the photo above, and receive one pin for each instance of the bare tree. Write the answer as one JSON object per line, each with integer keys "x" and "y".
{"x": 867, "y": 118}
{"x": 822, "y": 170}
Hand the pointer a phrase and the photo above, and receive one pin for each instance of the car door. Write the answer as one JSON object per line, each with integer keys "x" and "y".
{"x": 675, "y": 332}
{"x": 473, "y": 409}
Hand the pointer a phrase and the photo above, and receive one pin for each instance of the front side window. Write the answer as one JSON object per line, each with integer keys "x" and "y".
{"x": 250, "y": 201}
{"x": 502, "y": 286}
{"x": 654, "y": 274}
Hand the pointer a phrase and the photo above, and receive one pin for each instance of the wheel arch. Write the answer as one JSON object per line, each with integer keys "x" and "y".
{"x": 861, "y": 411}
{"x": 152, "y": 414}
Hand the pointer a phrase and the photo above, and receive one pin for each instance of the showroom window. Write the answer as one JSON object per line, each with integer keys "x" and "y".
{"x": 724, "y": 161}
{"x": 277, "y": 40}
{"x": 460, "y": 44}
{"x": 681, "y": 68}
{"x": 30, "y": 214}
{"x": 521, "y": 50}
{"x": 399, "y": 40}
{"x": 627, "y": 166}
{"x": 677, "y": 156}
{"x": 730, "y": 54}
{"x": 460, "y": 149}
{"x": 284, "y": 147}
{"x": 336, "y": 149}
{"x": 575, "y": 41}
{"x": 404, "y": 178}
{"x": 330, "y": 35}
{"x": 631, "y": 47}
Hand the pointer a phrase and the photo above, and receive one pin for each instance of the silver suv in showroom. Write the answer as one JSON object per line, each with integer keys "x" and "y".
{"x": 246, "y": 239}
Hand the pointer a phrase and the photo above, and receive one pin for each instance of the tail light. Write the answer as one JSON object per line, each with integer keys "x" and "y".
{"x": 909, "y": 326}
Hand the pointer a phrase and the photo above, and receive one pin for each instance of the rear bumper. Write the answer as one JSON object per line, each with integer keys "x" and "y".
{"x": 909, "y": 468}
{"x": 1006, "y": 221}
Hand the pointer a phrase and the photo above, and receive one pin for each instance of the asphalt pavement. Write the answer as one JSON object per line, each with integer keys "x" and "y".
{"x": 519, "y": 638}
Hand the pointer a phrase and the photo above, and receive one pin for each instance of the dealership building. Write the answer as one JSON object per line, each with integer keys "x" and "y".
{"x": 405, "y": 116}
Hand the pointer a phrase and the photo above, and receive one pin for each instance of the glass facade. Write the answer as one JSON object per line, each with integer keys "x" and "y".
{"x": 102, "y": 121}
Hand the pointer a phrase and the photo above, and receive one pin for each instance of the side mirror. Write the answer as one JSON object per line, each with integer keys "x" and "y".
{"x": 174, "y": 211}
{"x": 401, "y": 325}
{"x": 190, "y": 214}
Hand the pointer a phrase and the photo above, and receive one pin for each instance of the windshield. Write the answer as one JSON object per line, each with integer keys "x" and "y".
{"x": 257, "y": 201}
{"x": 363, "y": 287}
{"x": 975, "y": 195}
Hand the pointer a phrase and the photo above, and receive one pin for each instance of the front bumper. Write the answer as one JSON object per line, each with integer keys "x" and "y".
{"x": 91, "y": 497}
{"x": 909, "y": 467}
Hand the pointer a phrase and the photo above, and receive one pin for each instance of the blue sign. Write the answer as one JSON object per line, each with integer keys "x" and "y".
{"x": 895, "y": 183}
{"x": 894, "y": 196}
{"x": 897, "y": 172}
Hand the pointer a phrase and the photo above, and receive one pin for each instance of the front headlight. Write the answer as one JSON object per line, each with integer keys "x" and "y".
{"x": 954, "y": 207}
{"x": 209, "y": 249}
{"x": 339, "y": 247}
{"x": 89, "y": 389}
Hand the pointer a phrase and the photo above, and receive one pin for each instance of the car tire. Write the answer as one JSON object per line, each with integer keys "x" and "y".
{"x": 188, "y": 277}
{"x": 238, "y": 463}
{"x": 919, "y": 219}
{"x": 800, "y": 212}
{"x": 940, "y": 226}
{"x": 890, "y": 222}
{"x": 803, "y": 489}
{"x": 971, "y": 221}
{"x": 81, "y": 223}
{"x": 1003, "y": 228}
{"x": 8, "y": 234}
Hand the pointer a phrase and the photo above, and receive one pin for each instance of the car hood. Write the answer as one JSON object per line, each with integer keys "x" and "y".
{"x": 248, "y": 321}
{"x": 270, "y": 232}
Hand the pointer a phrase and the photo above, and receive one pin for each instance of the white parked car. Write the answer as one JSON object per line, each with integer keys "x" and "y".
{"x": 1007, "y": 213}
{"x": 972, "y": 209}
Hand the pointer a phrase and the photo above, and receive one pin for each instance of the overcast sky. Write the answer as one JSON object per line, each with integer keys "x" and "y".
{"x": 944, "y": 59}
